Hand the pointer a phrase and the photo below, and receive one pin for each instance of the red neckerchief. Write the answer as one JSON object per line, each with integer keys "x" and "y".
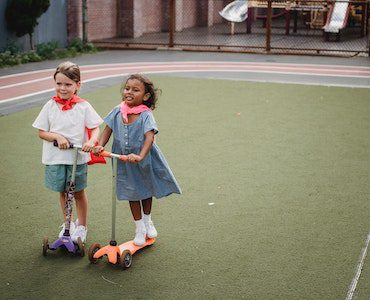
{"x": 127, "y": 110}
{"x": 68, "y": 104}
{"x": 94, "y": 159}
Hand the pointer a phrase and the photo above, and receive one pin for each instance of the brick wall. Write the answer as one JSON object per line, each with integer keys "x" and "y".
{"x": 102, "y": 19}
{"x": 153, "y": 15}
{"x": 74, "y": 19}
{"x": 132, "y": 18}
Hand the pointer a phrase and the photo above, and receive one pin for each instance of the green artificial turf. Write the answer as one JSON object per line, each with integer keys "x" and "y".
{"x": 275, "y": 203}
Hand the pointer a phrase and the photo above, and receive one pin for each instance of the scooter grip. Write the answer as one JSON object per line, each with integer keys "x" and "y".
{"x": 105, "y": 153}
{"x": 110, "y": 154}
{"x": 123, "y": 157}
{"x": 56, "y": 144}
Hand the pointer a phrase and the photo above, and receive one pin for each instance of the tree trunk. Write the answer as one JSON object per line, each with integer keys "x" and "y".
{"x": 31, "y": 42}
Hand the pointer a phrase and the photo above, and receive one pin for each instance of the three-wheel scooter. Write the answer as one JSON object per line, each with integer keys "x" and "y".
{"x": 116, "y": 253}
{"x": 65, "y": 241}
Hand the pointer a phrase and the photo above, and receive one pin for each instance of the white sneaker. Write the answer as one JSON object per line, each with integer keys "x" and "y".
{"x": 140, "y": 233}
{"x": 151, "y": 232}
{"x": 80, "y": 232}
{"x": 72, "y": 228}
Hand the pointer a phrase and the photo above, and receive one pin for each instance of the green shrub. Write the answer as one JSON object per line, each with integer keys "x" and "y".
{"x": 24, "y": 58}
{"x": 11, "y": 54}
{"x": 9, "y": 59}
{"x": 89, "y": 47}
{"x": 76, "y": 44}
{"x": 72, "y": 52}
{"x": 12, "y": 47}
{"x": 79, "y": 46}
{"x": 47, "y": 50}
{"x": 61, "y": 53}
{"x": 4, "y": 57}
{"x": 33, "y": 56}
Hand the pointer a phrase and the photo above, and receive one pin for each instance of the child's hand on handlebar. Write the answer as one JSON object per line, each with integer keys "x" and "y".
{"x": 88, "y": 146}
{"x": 134, "y": 158}
{"x": 97, "y": 149}
{"x": 62, "y": 142}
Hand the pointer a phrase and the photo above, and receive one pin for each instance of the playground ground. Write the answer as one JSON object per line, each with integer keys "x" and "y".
{"x": 274, "y": 170}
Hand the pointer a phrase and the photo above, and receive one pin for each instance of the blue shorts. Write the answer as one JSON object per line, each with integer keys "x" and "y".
{"x": 58, "y": 176}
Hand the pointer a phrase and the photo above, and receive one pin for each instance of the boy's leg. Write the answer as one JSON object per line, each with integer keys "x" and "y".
{"x": 82, "y": 203}
{"x": 81, "y": 208}
{"x": 62, "y": 200}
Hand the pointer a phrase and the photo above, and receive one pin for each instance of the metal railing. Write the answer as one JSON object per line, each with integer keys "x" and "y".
{"x": 271, "y": 26}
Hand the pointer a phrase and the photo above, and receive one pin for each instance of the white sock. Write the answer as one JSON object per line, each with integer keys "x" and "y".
{"x": 139, "y": 224}
{"x": 147, "y": 218}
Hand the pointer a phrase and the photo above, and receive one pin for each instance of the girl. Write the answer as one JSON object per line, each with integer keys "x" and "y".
{"x": 64, "y": 119}
{"x": 146, "y": 174}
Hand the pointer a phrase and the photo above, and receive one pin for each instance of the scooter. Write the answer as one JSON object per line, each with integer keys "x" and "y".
{"x": 66, "y": 241}
{"x": 116, "y": 253}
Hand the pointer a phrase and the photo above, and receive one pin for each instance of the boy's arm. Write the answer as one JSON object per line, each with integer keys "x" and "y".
{"x": 94, "y": 137}
{"x": 51, "y": 136}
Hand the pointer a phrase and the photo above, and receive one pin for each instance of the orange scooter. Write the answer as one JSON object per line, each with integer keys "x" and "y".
{"x": 116, "y": 253}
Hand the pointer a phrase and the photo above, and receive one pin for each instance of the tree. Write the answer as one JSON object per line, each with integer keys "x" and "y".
{"x": 21, "y": 16}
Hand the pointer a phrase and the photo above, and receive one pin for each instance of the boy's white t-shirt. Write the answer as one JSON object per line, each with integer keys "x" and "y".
{"x": 72, "y": 125}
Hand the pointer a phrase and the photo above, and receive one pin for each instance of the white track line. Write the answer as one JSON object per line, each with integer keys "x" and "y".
{"x": 360, "y": 264}
{"x": 204, "y": 68}
{"x": 185, "y": 63}
{"x": 197, "y": 71}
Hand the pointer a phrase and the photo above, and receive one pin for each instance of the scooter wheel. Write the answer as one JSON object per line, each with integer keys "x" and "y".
{"x": 92, "y": 250}
{"x": 81, "y": 247}
{"x": 45, "y": 246}
{"x": 125, "y": 260}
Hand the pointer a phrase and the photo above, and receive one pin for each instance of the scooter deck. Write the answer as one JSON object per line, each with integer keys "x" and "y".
{"x": 130, "y": 246}
{"x": 114, "y": 251}
{"x": 64, "y": 241}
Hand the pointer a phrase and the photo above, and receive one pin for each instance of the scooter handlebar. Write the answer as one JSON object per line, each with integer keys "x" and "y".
{"x": 113, "y": 155}
{"x": 71, "y": 146}
{"x": 103, "y": 153}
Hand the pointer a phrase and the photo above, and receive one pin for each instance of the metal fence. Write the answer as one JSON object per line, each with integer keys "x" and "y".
{"x": 271, "y": 26}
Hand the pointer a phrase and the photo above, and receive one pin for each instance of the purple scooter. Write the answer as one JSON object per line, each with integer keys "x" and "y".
{"x": 66, "y": 241}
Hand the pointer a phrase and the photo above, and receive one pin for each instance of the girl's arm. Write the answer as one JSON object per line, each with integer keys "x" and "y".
{"x": 104, "y": 138}
{"x": 51, "y": 136}
{"x": 148, "y": 142}
{"x": 89, "y": 145}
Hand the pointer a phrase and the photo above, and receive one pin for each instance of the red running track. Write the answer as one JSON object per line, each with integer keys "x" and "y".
{"x": 21, "y": 85}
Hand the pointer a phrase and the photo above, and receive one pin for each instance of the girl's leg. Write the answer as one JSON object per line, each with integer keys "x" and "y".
{"x": 140, "y": 231}
{"x": 135, "y": 207}
{"x": 151, "y": 232}
{"x": 81, "y": 207}
{"x": 147, "y": 205}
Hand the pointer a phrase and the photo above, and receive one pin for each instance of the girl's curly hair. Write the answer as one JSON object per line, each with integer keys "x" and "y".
{"x": 149, "y": 88}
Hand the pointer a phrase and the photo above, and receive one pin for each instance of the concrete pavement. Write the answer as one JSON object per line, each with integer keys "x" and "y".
{"x": 317, "y": 70}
